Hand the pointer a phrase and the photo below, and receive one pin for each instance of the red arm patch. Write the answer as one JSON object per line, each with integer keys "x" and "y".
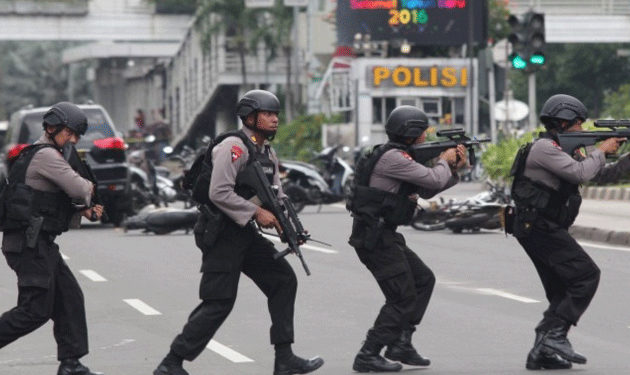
{"x": 557, "y": 145}
{"x": 406, "y": 155}
{"x": 236, "y": 153}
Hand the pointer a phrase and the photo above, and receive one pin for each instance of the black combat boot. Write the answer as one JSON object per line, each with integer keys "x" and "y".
{"x": 72, "y": 366}
{"x": 402, "y": 351}
{"x": 541, "y": 358}
{"x": 295, "y": 365}
{"x": 369, "y": 360}
{"x": 555, "y": 340}
{"x": 172, "y": 364}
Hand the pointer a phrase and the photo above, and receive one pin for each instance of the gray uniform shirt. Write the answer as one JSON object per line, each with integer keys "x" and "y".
{"x": 396, "y": 167}
{"x": 229, "y": 158}
{"x": 547, "y": 163}
{"x": 50, "y": 172}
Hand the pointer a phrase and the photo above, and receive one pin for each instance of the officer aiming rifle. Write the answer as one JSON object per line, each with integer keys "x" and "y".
{"x": 571, "y": 141}
{"x": 427, "y": 151}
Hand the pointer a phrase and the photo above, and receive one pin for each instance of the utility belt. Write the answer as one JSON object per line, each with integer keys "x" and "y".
{"x": 367, "y": 234}
{"x": 520, "y": 220}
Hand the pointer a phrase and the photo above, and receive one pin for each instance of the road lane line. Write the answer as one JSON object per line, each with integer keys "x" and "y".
{"x": 500, "y": 293}
{"x": 492, "y": 292}
{"x": 142, "y": 307}
{"x": 64, "y": 256}
{"x": 228, "y": 353}
{"x": 309, "y": 247}
{"x": 92, "y": 275}
{"x": 599, "y": 246}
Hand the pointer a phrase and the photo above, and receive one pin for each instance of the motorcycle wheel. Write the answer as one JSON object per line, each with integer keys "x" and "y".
{"x": 296, "y": 195}
{"x": 457, "y": 224}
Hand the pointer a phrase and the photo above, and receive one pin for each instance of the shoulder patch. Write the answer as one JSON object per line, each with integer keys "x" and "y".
{"x": 236, "y": 152}
{"x": 556, "y": 145}
{"x": 406, "y": 155}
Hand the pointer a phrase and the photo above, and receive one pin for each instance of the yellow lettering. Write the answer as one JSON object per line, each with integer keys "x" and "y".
{"x": 434, "y": 77}
{"x": 417, "y": 78}
{"x": 406, "y": 76}
{"x": 380, "y": 73}
{"x": 464, "y": 77}
{"x": 449, "y": 78}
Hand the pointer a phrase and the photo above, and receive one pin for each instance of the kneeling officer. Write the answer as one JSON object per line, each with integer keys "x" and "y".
{"x": 38, "y": 200}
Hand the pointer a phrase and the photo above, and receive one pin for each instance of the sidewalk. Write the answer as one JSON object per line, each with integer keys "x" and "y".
{"x": 604, "y": 215}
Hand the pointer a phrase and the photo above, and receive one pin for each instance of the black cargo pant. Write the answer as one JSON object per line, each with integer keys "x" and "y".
{"x": 568, "y": 274}
{"x": 406, "y": 282}
{"x": 238, "y": 250}
{"x": 47, "y": 289}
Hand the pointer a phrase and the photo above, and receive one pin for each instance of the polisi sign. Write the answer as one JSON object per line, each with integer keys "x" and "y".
{"x": 418, "y": 76}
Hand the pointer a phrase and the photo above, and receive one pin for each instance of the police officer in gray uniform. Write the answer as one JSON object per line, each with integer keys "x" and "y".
{"x": 232, "y": 244}
{"x": 39, "y": 206}
{"x": 545, "y": 191}
{"x": 388, "y": 182}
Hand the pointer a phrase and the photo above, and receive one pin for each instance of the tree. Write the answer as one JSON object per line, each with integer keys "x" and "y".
{"x": 586, "y": 71}
{"x": 617, "y": 103}
{"x": 498, "y": 13}
{"x": 236, "y": 20}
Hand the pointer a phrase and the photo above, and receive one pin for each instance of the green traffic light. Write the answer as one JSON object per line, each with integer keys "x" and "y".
{"x": 538, "y": 59}
{"x": 519, "y": 63}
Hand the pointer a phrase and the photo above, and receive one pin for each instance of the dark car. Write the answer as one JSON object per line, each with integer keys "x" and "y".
{"x": 101, "y": 146}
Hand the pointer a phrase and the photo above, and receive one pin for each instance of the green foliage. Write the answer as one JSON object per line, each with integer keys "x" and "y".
{"x": 585, "y": 71}
{"x": 33, "y": 73}
{"x": 498, "y": 158}
{"x": 298, "y": 139}
{"x": 617, "y": 103}
{"x": 498, "y": 13}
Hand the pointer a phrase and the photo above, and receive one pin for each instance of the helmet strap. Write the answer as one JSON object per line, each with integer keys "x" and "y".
{"x": 53, "y": 135}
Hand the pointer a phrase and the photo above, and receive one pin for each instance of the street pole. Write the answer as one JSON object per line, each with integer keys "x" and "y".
{"x": 531, "y": 88}
{"x": 492, "y": 101}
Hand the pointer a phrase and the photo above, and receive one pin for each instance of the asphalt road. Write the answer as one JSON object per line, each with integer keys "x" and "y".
{"x": 140, "y": 289}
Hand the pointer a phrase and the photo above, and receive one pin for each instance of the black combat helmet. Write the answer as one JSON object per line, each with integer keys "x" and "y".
{"x": 257, "y": 100}
{"x": 406, "y": 122}
{"x": 68, "y": 115}
{"x": 562, "y": 108}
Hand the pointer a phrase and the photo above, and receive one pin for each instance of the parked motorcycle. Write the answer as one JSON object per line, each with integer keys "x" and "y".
{"x": 162, "y": 220}
{"x": 303, "y": 184}
{"x": 335, "y": 171}
{"x": 149, "y": 185}
{"x": 481, "y": 211}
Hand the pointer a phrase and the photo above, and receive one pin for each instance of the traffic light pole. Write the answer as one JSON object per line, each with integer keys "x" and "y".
{"x": 531, "y": 88}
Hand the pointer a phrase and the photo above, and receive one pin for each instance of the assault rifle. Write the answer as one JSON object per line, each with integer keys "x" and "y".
{"x": 427, "y": 151}
{"x": 80, "y": 166}
{"x": 571, "y": 141}
{"x": 293, "y": 233}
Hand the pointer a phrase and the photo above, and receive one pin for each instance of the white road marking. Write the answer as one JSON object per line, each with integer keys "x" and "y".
{"x": 491, "y": 292}
{"x": 142, "y": 307}
{"x": 600, "y": 246}
{"x": 228, "y": 353}
{"x": 92, "y": 275}
{"x": 310, "y": 247}
{"x": 64, "y": 256}
{"x": 500, "y": 293}
{"x": 338, "y": 205}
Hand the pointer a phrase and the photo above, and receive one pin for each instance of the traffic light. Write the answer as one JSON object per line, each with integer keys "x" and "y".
{"x": 528, "y": 40}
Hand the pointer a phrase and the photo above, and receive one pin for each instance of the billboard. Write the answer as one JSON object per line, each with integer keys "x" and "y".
{"x": 420, "y": 22}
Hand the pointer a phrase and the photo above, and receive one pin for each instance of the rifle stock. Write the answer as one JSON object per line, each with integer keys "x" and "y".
{"x": 571, "y": 141}
{"x": 293, "y": 233}
{"x": 80, "y": 166}
{"x": 427, "y": 151}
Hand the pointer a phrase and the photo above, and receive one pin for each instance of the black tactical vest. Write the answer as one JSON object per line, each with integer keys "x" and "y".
{"x": 371, "y": 204}
{"x": 202, "y": 186}
{"x": 23, "y": 202}
{"x": 530, "y": 194}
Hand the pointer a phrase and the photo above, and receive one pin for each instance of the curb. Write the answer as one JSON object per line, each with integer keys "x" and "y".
{"x": 600, "y": 235}
{"x": 605, "y": 193}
